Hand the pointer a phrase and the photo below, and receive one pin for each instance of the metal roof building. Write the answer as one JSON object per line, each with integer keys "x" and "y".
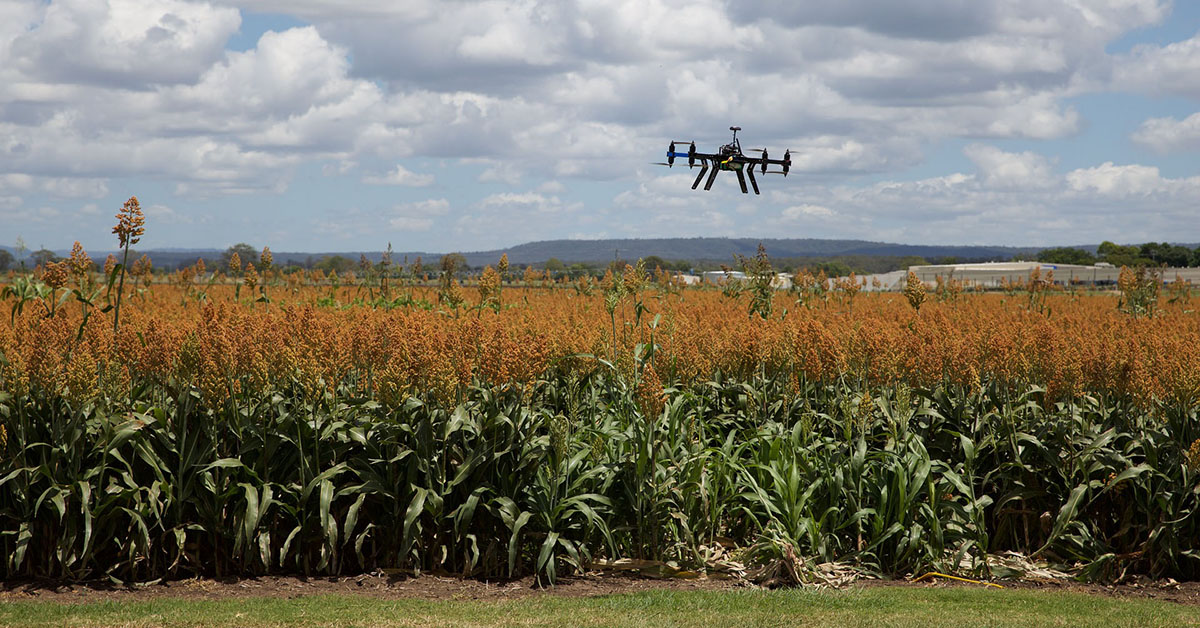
{"x": 994, "y": 274}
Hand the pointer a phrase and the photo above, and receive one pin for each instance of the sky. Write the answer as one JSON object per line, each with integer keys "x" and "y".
{"x": 440, "y": 125}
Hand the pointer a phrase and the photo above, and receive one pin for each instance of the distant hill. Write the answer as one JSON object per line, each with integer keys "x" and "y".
{"x": 723, "y": 250}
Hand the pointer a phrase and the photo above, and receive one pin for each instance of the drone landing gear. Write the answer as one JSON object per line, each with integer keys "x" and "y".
{"x": 753, "y": 183}
{"x": 712, "y": 176}
{"x": 703, "y": 169}
{"x": 742, "y": 181}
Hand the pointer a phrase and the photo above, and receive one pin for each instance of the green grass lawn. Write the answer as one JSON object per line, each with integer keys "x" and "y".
{"x": 876, "y": 606}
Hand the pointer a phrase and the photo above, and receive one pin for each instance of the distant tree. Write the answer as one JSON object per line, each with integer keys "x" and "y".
{"x": 832, "y": 268}
{"x": 1066, "y": 255}
{"x": 579, "y": 269}
{"x": 41, "y": 257}
{"x": 335, "y": 263}
{"x": 1118, "y": 255}
{"x": 452, "y": 263}
{"x": 1178, "y": 256}
{"x": 654, "y": 261}
{"x": 617, "y": 266}
{"x": 6, "y": 260}
{"x": 245, "y": 252}
{"x": 555, "y": 265}
{"x": 911, "y": 260}
{"x": 1166, "y": 253}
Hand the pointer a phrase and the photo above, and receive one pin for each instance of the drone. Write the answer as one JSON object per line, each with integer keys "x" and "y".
{"x": 728, "y": 157}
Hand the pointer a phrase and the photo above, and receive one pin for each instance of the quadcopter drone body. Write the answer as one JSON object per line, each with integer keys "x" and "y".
{"x": 729, "y": 158}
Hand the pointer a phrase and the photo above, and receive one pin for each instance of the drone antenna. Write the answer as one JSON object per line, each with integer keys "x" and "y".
{"x": 735, "y": 129}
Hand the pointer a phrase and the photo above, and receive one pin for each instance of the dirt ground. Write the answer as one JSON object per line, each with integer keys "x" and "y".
{"x": 453, "y": 588}
{"x": 374, "y": 585}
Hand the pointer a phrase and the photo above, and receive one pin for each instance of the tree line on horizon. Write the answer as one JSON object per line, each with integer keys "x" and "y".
{"x": 1149, "y": 254}
{"x": 1132, "y": 255}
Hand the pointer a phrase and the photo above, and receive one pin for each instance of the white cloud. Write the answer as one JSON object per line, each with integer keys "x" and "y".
{"x": 433, "y": 206}
{"x": 125, "y": 43}
{"x": 401, "y": 176}
{"x": 16, "y": 181}
{"x": 796, "y": 212}
{"x": 527, "y": 201}
{"x": 1167, "y": 135}
{"x": 1000, "y": 169}
{"x": 38, "y": 215}
{"x": 411, "y": 223}
{"x": 1117, "y": 181}
{"x": 1170, "y": 69}
{"x": 551, "y": 187}
{"x": 501, "y": 171}
{"x": 419, "y": 215}
{"x": 81, "y": 187}
{"x": 162, "y": 214}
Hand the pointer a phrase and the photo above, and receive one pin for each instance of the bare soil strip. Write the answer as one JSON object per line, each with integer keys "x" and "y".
{"x": 435, "y": 587}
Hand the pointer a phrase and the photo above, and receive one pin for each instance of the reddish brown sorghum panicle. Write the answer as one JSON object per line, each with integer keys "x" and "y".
{"x": 489, "y": 287}
{"x": 251, "y": 276}
{"x": 914, "y": 291}
{"x": 650, "y": 395}
{"x": 79, "y": 261}
{"x": 1193, "y": 455}
{"x": 55, "y": 274}
{"x": 633, "y": 278}
{"x": 142, "y": 267}
{"x": 130, "y": 223}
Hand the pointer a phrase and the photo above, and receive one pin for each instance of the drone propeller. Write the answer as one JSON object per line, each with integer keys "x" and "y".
{"x": 762, "y": 159}
{"x": 663, "y": 163}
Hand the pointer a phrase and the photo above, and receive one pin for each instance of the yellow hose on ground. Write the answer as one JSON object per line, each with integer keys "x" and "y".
{"x": 934, "y": 574}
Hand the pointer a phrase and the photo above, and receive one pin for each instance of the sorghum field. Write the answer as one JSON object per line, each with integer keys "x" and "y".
{"x": 253, "y": 421}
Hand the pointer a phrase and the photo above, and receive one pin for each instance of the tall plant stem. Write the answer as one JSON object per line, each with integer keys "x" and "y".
{"x": 120, "y": 289}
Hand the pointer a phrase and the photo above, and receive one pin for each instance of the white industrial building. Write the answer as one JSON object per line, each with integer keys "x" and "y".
{"x": 994, "y": 274}
{"x": 781, "y": 281}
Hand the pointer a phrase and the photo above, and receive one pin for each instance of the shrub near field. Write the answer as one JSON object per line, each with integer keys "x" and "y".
{"x": 327, "y": 430}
